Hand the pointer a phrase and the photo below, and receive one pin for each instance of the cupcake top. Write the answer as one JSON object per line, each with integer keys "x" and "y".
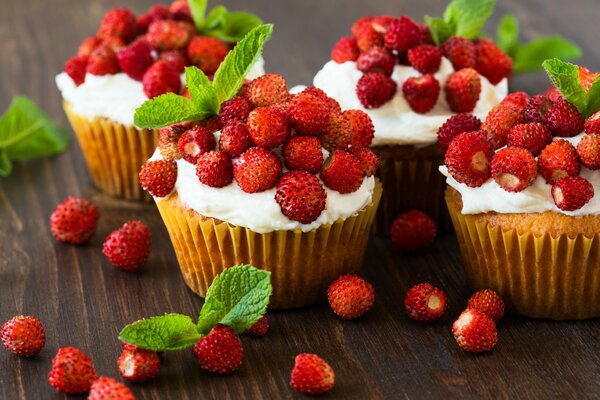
{"x": 531, "y": 154}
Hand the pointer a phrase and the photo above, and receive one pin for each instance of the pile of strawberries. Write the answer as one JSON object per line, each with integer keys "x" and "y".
{"x": 521, "y": 138}
{"x": 271, "y": 139}
{"x": 378, "y": 43}
{"x": 153, "y": 48}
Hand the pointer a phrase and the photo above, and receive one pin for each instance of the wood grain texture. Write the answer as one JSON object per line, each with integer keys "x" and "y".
{"x": 84, "y": 302}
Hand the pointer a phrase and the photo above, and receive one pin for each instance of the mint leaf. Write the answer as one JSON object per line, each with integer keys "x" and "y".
{"x": 201, "y": 89}
{"x": 565, "y": 77}
{"x": 215, "y": 19}
{"x": 507, "y": 34}
{"x": 529, "y": 57}
{"x": 440, "y": 30}
{"x": 166, "y": 333}
{"x": 593, "y": 98}
{"x": 198, "y": 9}
{"x": 238, "y": 297}
{"x": 5, "y": 164}
{"x": 167, "y": 109}
{"x": 236, "y": 25}
{"x": 466, "y": 18}
{"x": 231, "y": 73}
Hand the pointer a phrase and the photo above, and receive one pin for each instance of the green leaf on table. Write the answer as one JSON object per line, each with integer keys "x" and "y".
{"x": 165, "y": 333}
{"x": 565, "y": 76}
{"x": 201, "y": 89}
{"x": 5, "y": 163}
{"x": 440, "y": 30}
{"x": 507, "y": 34}
{"x": 466, "y": 18}
{"x": 530, "y": 56}
{"x": 198, "y": 10}
{"x": 167, "y": 109}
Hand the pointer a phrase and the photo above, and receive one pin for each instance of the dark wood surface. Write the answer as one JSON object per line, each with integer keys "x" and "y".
{"x": 84, "y": 302}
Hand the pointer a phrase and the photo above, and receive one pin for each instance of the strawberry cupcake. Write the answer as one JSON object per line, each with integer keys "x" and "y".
{"x": 129, "y": 60}
{"x": 409, "y": 84}
{"x": 523, "y": 194}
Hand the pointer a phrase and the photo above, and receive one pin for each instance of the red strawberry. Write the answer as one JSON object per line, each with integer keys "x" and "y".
{"x": 308, "y": 114}
{"x": 350, "y": 296}
{"x": 312, "y": 374}
{"x": 487, "y": 302}
{"x": 375, "y": 89}
{"x": 102, "y": 61}
{"x": 167, "y": 141}
{"x": 303, "y": 153}
{"x": 367, "y": 37}
{"x": 175, "y": 58}
{"x": 554, "y": 94}
{"x": 235, "y": 139}
{"x": 425, "y": 34}
{"x": 23, "y": 335}
{"x": 260, "y": 327}
{"x": 74, "y": 220}
{"x": 460, "y": 51}
{"x": 213, "y": 124}
{"x": 158, "y": 177}
{"x": 499, "y": 122}
{"x": 475, "y": 332}
{"x": 338, "y": 132}
{"x": 376, "y": 59}
{"x": 257, "y": 170}
{"x": 468, "y": 159}
{"x": 361, "y": 23}
{"x": 330, "y": 103}
{"x": 161, "y": 78}
{"x": 382, "y": 22}
{"x": 369, "y": 163}
{"x": 518, "y": 99}
{"x": 412, "y": 230}
{"x": 587, "y": 78}
{"x": 425, "y": 58}
{"x": 536, "y": 109}
{"x": 128, "y": 247}
{"x": 532, "y": 136}
{"x": 267, "y": 127}
{"x": 592, "y": 125}
{"x": 105, "y": 388}
{"x": 342, "y": 172}
{"x": 155, "y": 13}
{"x": 75, "y": 67}
{"x": 588, "y": 150}
{"x": 72, "y": 371}
{"x": 514, "y": 168}
{"x": 572, "y": 192}
{"x": 138, "y": 365}
{"x": 300, "y": 196}
{"x": 236, "y": 109}
{"x": 220, "y": 351}
{"x": 135, "y": 59}
{"x": 421, "y": 92}
{"x": 115, "y": 43}
{"x": 491, "y": 61}
{"x": 207, "y": 53}
{"x": 454, "y": 126}
{"x": 88, "y": 46}
{"x": 195, "y": 142}
{"x": 344, "y": 50}
{"x": 267, "y": 89}
{"x": 214, "y": 169}
{"x": 402, "y": 34}
{"x": 425, "y": 303}
{"x": 563, "y": 119}
{"x": 168, "y": 35}
{"x": 558, "y": 160}
{"x": 363, "y": 130}
{"x": 118, "y": 22}
{"x": 463, "y": 89}
{"x": 180, "y": 10}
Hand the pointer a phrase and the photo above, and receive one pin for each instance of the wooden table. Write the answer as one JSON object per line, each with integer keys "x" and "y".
{"x": 84, "y": 302}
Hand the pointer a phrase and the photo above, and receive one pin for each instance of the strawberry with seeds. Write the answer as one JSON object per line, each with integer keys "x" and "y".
{"x": 267, "y": 127}
{"x": 425, "y": 303}
{"x": 344, "y": 50}
{"x": 220, "y": 352}
{"x": 342, "y": 172}
{"x": 588, "y": 150}
{"x": 375, "y": 89}
{"x": 413, "y": 230}
{"x": 460, "y": 51}
{"x": 362, "y": 127}
{"x": 474, "y": 331}
{"x": 158, "y": 177}
{"x": 301, "y": 196}
{"x": 312, "y": 374}
{"x": 421, "y": 93}
{"x": 260, "y": 328}
{"x": 138, "y": 365}
{"x": 74, "y": 220}
{"x": 105, "y": 388}
{"x": 214, "y": 169}
{"x": 425, "y": 58}
{"x": 468, "y": 159}
{"x": 558, "y": 160}
{"x": 532, "y": 136}
{"x": 350, "y": 296}
{"x": 72, "y": 371}
{"x": 303, "y": 153}
{"x": 257, "y": 170}
{"x": 23, "y": 335}
{"x": 572, "y": 192}
{"x": 463, "y": 89}
{"x": 128, "y": 247}
{"x": 267, "y": 90}
{"x": 514, "y": 169}
{"x": 194, "y": 142}
{"x": 376, "y": 59}
{"x": 487, "y": 302}
{"x": 454, "y": 126}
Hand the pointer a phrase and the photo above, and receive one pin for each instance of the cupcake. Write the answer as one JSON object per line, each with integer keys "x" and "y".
{"x": 280, "y": 185}
{"x": 524, "y": 197}
{"x": 409, "y": 84}
{"x": 130, "y": 60}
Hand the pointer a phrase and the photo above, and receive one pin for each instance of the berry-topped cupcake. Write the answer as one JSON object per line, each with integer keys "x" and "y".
{"x": 132, "y": 59}
{"x": 250, "y": 174}
{"x": 524, "y": 197}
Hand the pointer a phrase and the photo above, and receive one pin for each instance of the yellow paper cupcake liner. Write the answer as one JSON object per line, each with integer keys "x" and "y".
{"x": 114, "y": 153}
{"x": 539, "y": 276}
{"x": 303, "y": 264}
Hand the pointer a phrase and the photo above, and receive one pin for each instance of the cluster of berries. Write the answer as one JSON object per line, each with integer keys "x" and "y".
{"x": 378, "y": 43}
{"x": 258, "y": 126}
{"x": 521, "y": 137}
{"x": 153, "y": 48}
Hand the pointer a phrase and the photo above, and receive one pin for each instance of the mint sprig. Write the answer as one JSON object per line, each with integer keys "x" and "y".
{"x": 26, "y": 133}
{"x": 207, "y": 96}
{"x": 220, "y": 23}
{"x": 238, "y": 297}
{"x": 465, "y": 18}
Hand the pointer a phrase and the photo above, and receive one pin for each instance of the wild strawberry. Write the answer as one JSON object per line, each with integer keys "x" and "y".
{"x": 367, "y": 37}
{"x": 75, "y": 67}
{"x": 89, "y": 45}
{"x": 338, "y": 132}
{"x": 474, "y": 331}
{"x": 235, "y": 139}
{"x": 155, "y": 13}
{"x": 23, "y": 335}
{"x": 363, "y": 130}
{"x": 128, "y": 247}
{"x": 212, "y": 124}
{"x": 108, "y": 388}
{"x": 425, "y": 58}
{"x": 499, "y": 122}
{"x": 308, "y": 114}
{"x": 375, "y": 89}
{"x": 167, "y": 141}
{"x": 563, "y": 119}
{"x": 532, "y": 136}
{"x": 158, "y": 177}
{"x": 118, "y": 22}
{"x": 267, "y": 89}
{"x": 382, "y": 22}
{"x": 159, "y": 79}
{"x": 72, "y": 371}
{"x": 303, "y": 153}
{"x": 195, "y": 142}
{"x": 572, "y": 192}
{"x": 369, "y": 163}
{"x": 518, "y": 99}
{"x": 207, "y": 53}
{"x": 350, "y": 296}
{"x": 587, "y": 78}
{"x": 491, "y": 61}
{"x": 468, "y": 159}
{"x": 558, "y": 160}
{"x": 553, "y": 94}
{"x": 180, "y": 10}
{"x": 402, "y": 34}
{"x": 344, "y": 50}
{"x": 425, "y": 303}
{"x": 312, "y": 374}
{"x": 267, "y": 127}
{"x": 300, "y": 196}
{"x": 536, "y": 109}
{"x": 421, "y": 92}
{"x": 454, "y": 126}
{"x": 412, "y": 230}
{"x": 376, "y": 59}
{"x": 214, "y": 169}
{"x": 460, "y": 51}
{"x": 361, "y": 23}
{"x": 342, "y": 172}
{"x": 102, "y": 61}
{"x": 138, "y": 365}
{"x": 257, "y": 170}
{"x": 425, "y": 34}
{"x": 487, "y": 302}
{"x": 135, "y": 59}
{"x": 592, "y": 125}
{"x": 168, "y": 35}
{"x": 514, "y": 168}
{"x": 236, "y": 109}
{"x": 220, "y": 351}
{"x": 260, "y": 327}
{"x": 115, "y": 43}
{"x": 176, "y": 59}
{"x": 588, "y": 150}
{"x": 463, "y": 89}
{"x": 329, "y": 102}
{"x": 74, "y": 220}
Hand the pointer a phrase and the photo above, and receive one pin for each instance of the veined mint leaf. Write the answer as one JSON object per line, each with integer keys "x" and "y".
{"x": 238, "y": 297}
{"x": 165, "y": 333}
{"x": 440, "y": 30}
{"x": 236, "y": 26}
{"x": 466, "y": 18}
{"x": 507, "y": 34}
{"x": 201, "y": 89}
{"x": 5, "y": 164}
{"x": 215, "y": 19}
{"x": 529, "y": 57}
{"x": 198, "y": 9}
{"x": 593, "y": 104}
{"x": 167, "y": 109}
{"x": 565, "y": 77}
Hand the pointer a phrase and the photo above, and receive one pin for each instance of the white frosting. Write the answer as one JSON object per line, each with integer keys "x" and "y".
{"x": 395, "y": 122}
{"x": 114, "y": 96}
{"x": 536, "y": 198}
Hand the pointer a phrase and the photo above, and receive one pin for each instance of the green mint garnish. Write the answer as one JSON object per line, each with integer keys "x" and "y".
{"x": 207, "y": 96}
{"x": 464, "y": 18}
{"x": 220, "y": 23}
{"x": 26, "y": 133}
{"x": 168, "y": 332}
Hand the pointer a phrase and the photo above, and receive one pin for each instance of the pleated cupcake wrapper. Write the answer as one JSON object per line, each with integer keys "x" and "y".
{"x": 303, "y": 264}
{"x": 114, "y": 153}
{"x": 537, "y": 276}
{"x": 411, "y": 179}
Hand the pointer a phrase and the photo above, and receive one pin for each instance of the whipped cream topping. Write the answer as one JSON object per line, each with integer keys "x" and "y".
{"x": 536, "y": 198}
{"x": 395, "y": 122}
{"x": 115, "y": 97}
